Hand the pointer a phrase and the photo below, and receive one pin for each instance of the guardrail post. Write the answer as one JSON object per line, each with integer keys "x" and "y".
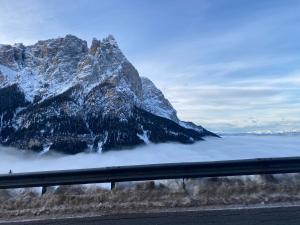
{"x": 112, "y": 185}
{"x": 183, "y": 185}
{"x": 44, "y": 190}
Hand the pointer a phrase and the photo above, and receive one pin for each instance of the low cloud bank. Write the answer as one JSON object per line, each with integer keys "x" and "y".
{"x": 226, "y": 148}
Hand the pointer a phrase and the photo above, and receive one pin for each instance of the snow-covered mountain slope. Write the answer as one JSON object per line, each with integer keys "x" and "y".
{"x": 155, "y": 102}
{"x": 61, "y": 94}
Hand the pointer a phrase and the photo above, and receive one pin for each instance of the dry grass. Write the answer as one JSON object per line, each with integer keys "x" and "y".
{"x": 149, "y": 195}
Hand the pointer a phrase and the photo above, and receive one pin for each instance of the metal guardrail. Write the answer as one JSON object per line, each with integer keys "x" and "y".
{"x": 152, "y": 172}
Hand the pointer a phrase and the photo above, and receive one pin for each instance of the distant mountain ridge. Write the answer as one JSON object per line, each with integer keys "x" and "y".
{"x": 62, "y": 95}
{"x": 264, "y": 133}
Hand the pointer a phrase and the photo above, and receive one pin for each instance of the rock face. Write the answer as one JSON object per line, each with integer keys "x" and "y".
{"x": 61, "y": 95}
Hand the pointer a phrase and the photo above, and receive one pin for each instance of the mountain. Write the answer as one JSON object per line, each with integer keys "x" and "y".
{"x": 62, "y": 95}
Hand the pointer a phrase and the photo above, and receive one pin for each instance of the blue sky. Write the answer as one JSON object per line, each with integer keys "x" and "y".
{"x": 230, "y": 65}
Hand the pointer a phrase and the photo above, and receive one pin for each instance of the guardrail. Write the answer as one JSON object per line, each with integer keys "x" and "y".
{"x": 152, "y": 172}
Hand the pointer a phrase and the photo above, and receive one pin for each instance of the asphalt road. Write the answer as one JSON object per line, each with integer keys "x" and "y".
{"x": 265, "y": 216}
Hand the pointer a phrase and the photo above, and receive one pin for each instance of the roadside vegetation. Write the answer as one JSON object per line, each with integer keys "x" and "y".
{"x": 150, "y": 195}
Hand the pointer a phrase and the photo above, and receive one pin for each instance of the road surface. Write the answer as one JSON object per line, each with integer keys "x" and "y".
{"x": 253, "y": 216}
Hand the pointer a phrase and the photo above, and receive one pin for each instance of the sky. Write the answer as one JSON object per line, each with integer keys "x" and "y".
{"x": 229, "y": 65}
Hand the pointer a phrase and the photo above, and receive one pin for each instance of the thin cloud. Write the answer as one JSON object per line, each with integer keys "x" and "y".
{"x": 225, "y": 66}
{"x": 26, "y": 21}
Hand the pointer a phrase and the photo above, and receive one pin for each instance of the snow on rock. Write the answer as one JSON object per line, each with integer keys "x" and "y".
{"x": 155, "y": 102}
{"x": 75, "y": 96}
{"x": 144, "y": 136}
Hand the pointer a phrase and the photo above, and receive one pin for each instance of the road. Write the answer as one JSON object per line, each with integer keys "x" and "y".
{"x": 254, "y": 216}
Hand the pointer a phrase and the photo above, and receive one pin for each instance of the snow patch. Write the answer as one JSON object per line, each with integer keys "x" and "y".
{"x": 191, "y": 126}
{"x": 144, "y": 137}
{"x": 101, "y": 143}
{"x": 9, "y": 75}
{"x": 46, "y": 149}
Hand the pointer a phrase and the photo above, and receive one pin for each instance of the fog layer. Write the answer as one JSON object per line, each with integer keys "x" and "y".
{"x": 226, "y": 148}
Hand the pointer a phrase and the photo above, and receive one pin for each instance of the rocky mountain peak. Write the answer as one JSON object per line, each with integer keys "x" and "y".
{"x": 106, "y": 43}
{"x": 69, "y": 46}
{"x": 95, "y": 45}
{"x": 110, "y": 40}
{"x": 12, "y": 56}
{"x": 61, "y": 94}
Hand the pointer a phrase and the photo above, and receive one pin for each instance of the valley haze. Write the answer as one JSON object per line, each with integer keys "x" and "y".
{"x": 214, "y": 149}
